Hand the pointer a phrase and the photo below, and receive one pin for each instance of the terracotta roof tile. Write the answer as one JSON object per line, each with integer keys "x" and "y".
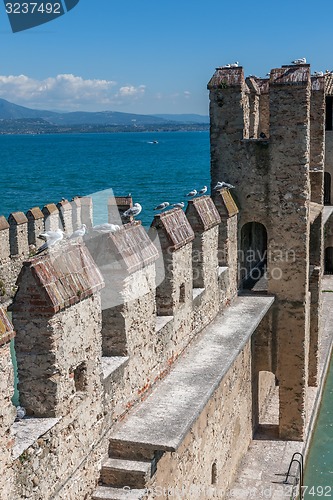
{"x": 290, "y": 75}
{"x": 62, "y": 278}
{"x": 202, "y": 213}
{"x": 175, "y": 226}
{"x": 227, "y": 77}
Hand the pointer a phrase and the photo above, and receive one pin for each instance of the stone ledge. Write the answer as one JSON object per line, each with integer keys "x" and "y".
{"x": 28, "y": 430}
{"x": 111, "y": 364}
{"x": 162, "y": 421}
{"x": 162, "y": 321}
{"x": 197, "y": 292}
{"x": 327, "y": 212}
{"x": 221, "y": 270}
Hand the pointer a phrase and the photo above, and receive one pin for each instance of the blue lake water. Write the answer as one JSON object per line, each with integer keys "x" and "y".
{"x": 40, "y": 169}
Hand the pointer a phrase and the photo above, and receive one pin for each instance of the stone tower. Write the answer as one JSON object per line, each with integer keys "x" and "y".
{"x": 267, "y": 139}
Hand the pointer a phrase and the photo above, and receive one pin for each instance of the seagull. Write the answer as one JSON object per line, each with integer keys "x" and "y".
{"x": 234, "y": 65}
{"x": 318, "y": 73}
{"x": 192, "y": 193}
{"x": 221, "y": 185}
{"x": 162, "y": 206}
{"x": 79, "y": 233}
{"x": 178, "y": 205}
{"x": 52, "y": 238}
{"x": 106, "y": 228}
{"x": 203, "y": 190}
{"x": 134, "y": 211}
{"x": 20, "y": 412}
{"x": 302, "y": 60}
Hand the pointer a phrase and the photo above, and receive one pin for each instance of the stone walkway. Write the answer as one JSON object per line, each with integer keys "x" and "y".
{"x": 263, "y": 469}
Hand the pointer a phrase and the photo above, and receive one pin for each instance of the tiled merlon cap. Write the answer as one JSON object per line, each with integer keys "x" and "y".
{"x": 34, "y": 214}
{"x": 175, "y": 226}
{"x": 64, "y": 205}
{"x": 6, "y": 329}
{"x": 3, "y": 223}
{"x": 121, "y": 200}
{"x": 225, "y": 202}
{"x": 62, "y": 279}
{"x": 17, "y": 218}
{"x": 252, "y": 84}
{"x": 318, "y": 83}
{"x": 290, "y": 75}
{"x": 86, "y": 200}
{"x": 76, "y": 201}
{"x": 49, "y": 209}
{"x": 226, "y": 77}
{"x": 202, "y": 213}
{"x": 328, "y": 84}
{"x": 133, "y": 247}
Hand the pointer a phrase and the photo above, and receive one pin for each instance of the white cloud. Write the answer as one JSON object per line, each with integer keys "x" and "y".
{"x": 66, "y": 92}
{"x": 187, "y": 94}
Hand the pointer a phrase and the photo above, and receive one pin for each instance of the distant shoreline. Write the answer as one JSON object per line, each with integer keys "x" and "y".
{"x": 41, "y": 127}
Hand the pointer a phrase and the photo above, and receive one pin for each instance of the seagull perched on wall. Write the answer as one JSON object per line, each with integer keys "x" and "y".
{"x": 79, "y": 233}
{"x": 178, "y": 205}
{"x": 52, "y": 238}
{"x": 318, "y": 73}
{"x": 20, "y": 412}
{"x": 134, "y": 211}
{"x": 106, "y": 228}
{"x": 302, "y": 60}
{"x": 192, "y": 193}
{"x": 162, "y": 206}
{"x": 221, "y": 185}
{"x": 234, "y": 65}
{"x": 203, "y": 190}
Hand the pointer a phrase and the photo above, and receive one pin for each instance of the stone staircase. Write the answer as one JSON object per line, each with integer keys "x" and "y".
{"x": 125, "y": 474}
{"x": 160, "y": 423}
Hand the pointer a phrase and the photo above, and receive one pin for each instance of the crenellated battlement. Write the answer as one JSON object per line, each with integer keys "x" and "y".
{"x": 149, "y": 357}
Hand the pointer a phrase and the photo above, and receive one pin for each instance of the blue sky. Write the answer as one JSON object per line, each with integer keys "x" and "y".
{"x": 155, "y": 56}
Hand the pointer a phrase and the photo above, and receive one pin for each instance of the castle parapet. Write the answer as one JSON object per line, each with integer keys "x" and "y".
{"x": 8, "y": 411}
{"x": 56, "y": 313}
{"x": 35, "y": 224}
{"x": 18, "y": 234}
{"x": 51, "y": 216}
{"x": 65, "y": 214}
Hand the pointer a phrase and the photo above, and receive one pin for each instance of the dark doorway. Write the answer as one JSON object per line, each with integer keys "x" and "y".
{"x": 253, "y": 256}
{"x": 327, "y": 188}
{"x": 329, "y": 260}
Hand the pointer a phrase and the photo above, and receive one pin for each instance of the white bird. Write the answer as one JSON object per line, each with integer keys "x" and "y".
{"x": 302, "y": 60}
{"x": 52, "y": 238}
{"x": 134, "y": 211}
{"x": 162, "y": 206}
{"x": 203, "y": 190}
{"x": 79, "y": 233}
{"x": 192, "y": 193}
{"x": 318, "y": 73}
{"x": 221, "y": 185}
{"x": 178, "y": 205}
{"x": 234, "y": 65}
{"x": 20, "y": 412}
{"x": 106, "y": 228}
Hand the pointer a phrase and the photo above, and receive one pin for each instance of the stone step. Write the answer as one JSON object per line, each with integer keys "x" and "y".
{"x": 121, "y": 473}
{"x": 107, "y": 493}
{"x": 120, "y": 449}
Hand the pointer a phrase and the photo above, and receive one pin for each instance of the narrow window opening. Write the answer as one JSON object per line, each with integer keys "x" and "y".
{"x": 329, "y": 113}
{"x": 214, "y": 473}
{"x": 182, "y": 293}
{"x": 80, "y": 377}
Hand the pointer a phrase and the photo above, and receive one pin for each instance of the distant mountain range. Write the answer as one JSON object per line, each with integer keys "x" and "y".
{"x": 28, "y": 120}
